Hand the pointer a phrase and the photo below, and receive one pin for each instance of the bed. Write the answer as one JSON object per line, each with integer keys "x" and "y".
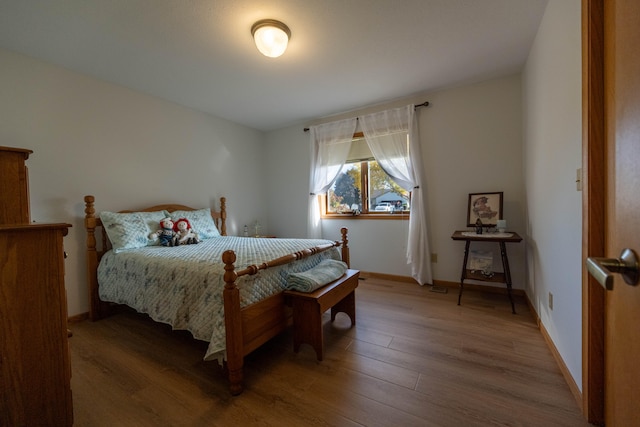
{"x": 226, "y": 290}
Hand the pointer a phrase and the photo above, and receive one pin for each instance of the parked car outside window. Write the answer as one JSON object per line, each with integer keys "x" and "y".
{"x": 384, "y": 207}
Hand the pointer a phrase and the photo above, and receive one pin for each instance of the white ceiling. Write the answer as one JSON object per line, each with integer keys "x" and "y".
{"x": 343, "y": 54}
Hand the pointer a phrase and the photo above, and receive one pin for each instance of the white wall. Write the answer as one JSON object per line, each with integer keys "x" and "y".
{"x": 127, "y": 149}
{"x": 287, "y": 159}
{"x": 552, "y": 123}
{"x": 471, "y": 140}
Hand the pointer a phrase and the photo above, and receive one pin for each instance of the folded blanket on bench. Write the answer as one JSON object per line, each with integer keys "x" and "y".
{"x": 308, "y": 281}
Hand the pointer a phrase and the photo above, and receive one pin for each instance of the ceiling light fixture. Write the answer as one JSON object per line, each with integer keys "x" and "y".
{"x": 271, "y": 37}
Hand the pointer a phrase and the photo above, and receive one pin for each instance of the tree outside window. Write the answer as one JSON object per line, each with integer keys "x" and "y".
{"x": 364, "y": 186}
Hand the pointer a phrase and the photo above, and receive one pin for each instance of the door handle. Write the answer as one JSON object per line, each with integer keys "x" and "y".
{"x": 602, "y": 269}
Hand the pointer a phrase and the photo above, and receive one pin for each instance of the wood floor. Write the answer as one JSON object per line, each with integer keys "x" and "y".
{"x": 414, "y": 358}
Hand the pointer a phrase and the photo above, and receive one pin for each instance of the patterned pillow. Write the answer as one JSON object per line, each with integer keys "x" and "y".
{"x": 131, "y": 230}
{"x": 200, "y": 220}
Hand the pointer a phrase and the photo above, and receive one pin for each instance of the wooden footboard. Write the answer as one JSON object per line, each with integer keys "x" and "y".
{"x": 246, "y": 328}
{"x": 250, "y": 327}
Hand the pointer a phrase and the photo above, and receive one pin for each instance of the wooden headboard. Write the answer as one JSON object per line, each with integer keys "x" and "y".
{"x": 96, "y": 249}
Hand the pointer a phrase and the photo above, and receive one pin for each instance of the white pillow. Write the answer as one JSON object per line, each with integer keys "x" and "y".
{"x": 200, "y": 220}
{"x": 131, "y": 230}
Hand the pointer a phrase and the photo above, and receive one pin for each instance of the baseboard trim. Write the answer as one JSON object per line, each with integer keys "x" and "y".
{"x": 78, "y": 318}
{"x": 575, "y": 390}
{"x": 406, "y": 279}
{"x": 444, "y": 283}
{"x": 482, "y": 288}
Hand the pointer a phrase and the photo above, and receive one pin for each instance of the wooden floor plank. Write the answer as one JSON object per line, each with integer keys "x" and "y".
{"x": 414, "y": 358}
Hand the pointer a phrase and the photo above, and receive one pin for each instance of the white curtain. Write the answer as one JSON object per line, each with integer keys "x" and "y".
{"x": 330, "y": 144}
{"x": 392, "y": 136}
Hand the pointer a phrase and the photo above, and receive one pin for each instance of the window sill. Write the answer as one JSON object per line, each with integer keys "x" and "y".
{"x": 387, "y": 216}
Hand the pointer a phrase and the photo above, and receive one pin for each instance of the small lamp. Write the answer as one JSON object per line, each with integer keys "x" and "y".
{"x": 271, "y": 37}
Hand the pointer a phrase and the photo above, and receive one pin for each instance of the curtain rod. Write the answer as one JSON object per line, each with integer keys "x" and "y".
{"x": 424, "y": 104}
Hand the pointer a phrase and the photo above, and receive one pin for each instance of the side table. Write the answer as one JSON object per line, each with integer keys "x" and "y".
{"x": 497, "y": 277}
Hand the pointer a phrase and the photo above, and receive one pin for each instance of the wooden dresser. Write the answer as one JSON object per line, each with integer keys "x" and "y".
{"x": 14, "y": 186}
{"x": 35, "y": 370}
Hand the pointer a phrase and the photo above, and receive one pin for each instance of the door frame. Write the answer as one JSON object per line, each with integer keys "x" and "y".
{"x": 594, "y": 162}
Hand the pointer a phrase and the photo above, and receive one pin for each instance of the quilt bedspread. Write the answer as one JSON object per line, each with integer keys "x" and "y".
{"x": 182, "y": 286}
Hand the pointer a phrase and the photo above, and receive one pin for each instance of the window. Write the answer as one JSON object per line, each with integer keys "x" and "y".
{"x": 363, "y": 186}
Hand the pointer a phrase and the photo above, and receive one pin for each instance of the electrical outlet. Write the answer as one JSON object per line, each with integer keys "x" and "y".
{"x": 550, "y": 301}
{"x": 434, "y": 258}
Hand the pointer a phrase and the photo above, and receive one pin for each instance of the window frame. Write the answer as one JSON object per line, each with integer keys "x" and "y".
{"x": 364, "y": 185}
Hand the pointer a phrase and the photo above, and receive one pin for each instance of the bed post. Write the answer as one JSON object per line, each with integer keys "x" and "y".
{"x": 223, "y": 216}
{"x": 233, "y": 324}
{"x": 92, "y": 257}
{"x": 345, "y": 246}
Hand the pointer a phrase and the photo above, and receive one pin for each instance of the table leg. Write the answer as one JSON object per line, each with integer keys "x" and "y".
{"x": 507, "y": 274}
{"x": 464, "y": 269}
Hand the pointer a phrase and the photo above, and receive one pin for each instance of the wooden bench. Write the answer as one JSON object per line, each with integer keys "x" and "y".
{"x": 308, "y": 308}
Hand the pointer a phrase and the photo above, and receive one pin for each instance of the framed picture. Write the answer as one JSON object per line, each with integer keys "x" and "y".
{"x": 484, "y": 206}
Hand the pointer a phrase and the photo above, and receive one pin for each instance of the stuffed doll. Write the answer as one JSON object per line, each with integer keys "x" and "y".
{"x": 166, "y": 234}
{"x": 184, "y": 233}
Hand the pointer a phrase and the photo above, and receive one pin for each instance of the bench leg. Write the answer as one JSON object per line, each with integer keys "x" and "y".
{"x": 348, "y": 306}
{"x": 307, "y": 321}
